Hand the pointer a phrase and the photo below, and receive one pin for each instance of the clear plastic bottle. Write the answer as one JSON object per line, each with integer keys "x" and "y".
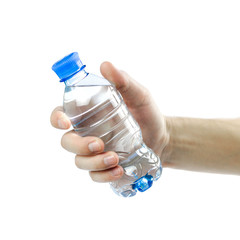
{"x": 96, "y": 108}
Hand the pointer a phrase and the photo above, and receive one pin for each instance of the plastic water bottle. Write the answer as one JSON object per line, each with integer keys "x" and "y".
{"x": 96, "y": 108}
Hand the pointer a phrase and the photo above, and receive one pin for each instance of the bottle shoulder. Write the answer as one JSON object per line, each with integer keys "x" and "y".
{"x": 92, "y": 80}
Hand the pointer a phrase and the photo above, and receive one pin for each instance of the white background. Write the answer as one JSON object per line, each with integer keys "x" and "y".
{"x": 186, "y": 52}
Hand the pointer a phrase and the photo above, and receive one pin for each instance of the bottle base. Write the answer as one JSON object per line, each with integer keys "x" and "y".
{"x": 141, "y": 185}
{"x": 139, "y": 174}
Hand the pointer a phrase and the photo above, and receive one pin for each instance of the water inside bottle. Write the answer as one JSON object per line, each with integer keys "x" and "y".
{"x": 100, "y": 111}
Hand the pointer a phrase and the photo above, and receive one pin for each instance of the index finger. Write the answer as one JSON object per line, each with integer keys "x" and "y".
{"x": 59, "y": 119}
{"x": 134, "y": 94}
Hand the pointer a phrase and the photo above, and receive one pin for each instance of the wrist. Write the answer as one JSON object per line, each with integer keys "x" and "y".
{"x": 167, "y": 143}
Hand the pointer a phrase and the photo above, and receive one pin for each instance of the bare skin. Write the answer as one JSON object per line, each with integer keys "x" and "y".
{"x": 206, "y": 145}
{"x": 209, "y": 145}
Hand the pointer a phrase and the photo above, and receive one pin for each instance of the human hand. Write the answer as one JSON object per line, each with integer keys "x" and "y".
{"x": 90, "y": 155}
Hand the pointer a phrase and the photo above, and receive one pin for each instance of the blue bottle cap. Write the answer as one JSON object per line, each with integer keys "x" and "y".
{"x": 68, "y": 66}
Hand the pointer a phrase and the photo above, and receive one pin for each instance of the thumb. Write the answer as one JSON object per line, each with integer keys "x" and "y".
{"x": 133, "y": 93}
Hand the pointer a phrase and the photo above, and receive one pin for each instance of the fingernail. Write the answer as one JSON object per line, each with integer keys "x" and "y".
{"x": 62, "y": 124}
{"x": 110, "y": 160}
{"x": 94, "y": 146}
{"x": 116, "y": 171}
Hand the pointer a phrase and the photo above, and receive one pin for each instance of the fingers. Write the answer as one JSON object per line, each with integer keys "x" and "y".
{"x": 59, "y": 119}
{"x": 107, "y": 175}
{"x": 103, "y": 167}
{"x": 134, "y": 93}
{"x": 98, "y": 162}
{"x": 81, "y": 145}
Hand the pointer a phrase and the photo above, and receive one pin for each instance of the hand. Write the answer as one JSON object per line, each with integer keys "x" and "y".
{"x": 103, "y": 166}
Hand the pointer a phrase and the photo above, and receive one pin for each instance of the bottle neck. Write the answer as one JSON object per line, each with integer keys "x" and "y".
{"x": 76, "y": 78}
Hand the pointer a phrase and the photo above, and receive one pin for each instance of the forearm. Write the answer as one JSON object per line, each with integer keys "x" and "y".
{"x": 210, "y": 145}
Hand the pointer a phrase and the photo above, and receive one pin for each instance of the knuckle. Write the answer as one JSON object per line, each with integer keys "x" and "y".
{"x": 146, "y": 96}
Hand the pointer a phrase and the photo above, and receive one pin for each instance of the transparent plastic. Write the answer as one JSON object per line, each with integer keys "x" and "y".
{"x": 96, "y": 108}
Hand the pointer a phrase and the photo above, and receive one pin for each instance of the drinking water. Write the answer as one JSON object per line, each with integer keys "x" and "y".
{"x": 96, "y": 108}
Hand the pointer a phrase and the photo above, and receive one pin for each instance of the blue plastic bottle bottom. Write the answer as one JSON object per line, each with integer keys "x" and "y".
{"x": 143, "y": 183}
